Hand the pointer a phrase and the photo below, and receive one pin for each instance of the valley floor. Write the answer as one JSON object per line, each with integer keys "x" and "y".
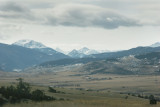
{"x": 88, "y": 103}
{"x": 98, "y": 90}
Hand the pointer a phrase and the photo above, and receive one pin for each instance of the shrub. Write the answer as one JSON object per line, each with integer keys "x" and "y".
{"x": 14, "y": 99}
{"x": 146, "y": 97}
{"x": 126, "y": 97}
{"x": 2, "y": 101}
{"x": 52, "y": 90}
{"x": 39, "y": 95}
{"x": 23, "y": 89}
{"x": 152, "y": 99}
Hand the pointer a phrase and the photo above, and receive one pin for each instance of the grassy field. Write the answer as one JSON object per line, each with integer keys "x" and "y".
{"x": 149, "y": 84}
{"x": 87, "y": 103}
{"x": 82, "y": 98}
{"x": 78, "y": 90}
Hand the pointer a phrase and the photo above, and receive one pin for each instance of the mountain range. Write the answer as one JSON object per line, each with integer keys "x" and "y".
{"x": 129, "y": 65}
{"x": 133, "y": 51}
{"x": 81, "y": 53}
{"x": 27, "y": 53}
{"x": 76, "y": 54}
{"x": 17, "y": 56}
{"x": 104, "y": 56}
{"x": 38, "y": 46}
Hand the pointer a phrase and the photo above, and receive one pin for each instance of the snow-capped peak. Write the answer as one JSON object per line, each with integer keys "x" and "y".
{"x": 157, "y": 44}
{"x": 83, "y": 50}
{"x": 76, "y": 54}
{"x": 87, "y": 51}
{"x": 29, "y": 44}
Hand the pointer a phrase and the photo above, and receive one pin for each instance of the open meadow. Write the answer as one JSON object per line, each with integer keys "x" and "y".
{"x": 98, "y": 90}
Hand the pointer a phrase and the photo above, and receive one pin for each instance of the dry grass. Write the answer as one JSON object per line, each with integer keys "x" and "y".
{"x": 105, "y": 94}
{"x": 88, "y": 103}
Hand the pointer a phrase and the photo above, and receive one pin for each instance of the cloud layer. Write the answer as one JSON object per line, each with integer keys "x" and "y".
{"x": 14, "y": 11}
{"x": 95, "y": 23}
{"x": 80, "y": 15}
{"x": 87, "y": 16}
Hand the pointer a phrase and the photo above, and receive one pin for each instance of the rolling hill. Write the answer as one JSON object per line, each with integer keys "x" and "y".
{"x": 139, "y": 64}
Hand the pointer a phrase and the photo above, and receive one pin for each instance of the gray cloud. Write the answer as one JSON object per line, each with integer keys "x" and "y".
{"x": 12, "y": 6}
{"x": 80, "y": 15}
{"x": 30, "y": 19}
{"x": 15, "y": 11}
{"x": 88, "y": 16}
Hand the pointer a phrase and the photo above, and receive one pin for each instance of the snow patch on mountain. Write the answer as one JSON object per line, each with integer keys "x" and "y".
{"x": 87, "y": 51}
{"x": 29, "y": 44}
{"x": 76, "y": 54}
{"x": 157, "y": 44}
{"x": 38, "y": 47}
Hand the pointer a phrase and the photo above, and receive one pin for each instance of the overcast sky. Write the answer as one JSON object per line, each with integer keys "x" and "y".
{"x": 68, "y": 24}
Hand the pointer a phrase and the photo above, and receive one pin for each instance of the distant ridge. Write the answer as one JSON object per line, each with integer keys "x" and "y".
{"x": 145, "y": 64}
{"x": 26, "y": 53}
{"x": 133, "y": 51}
{"x": 106, "y": 56}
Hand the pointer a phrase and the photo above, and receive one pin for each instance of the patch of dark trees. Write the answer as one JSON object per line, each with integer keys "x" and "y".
{"x": 21, "y": 92}
{"x": 151, "y": 98}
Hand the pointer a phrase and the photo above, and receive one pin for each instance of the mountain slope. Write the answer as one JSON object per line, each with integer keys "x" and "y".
{"x": 87, "y": 51}
{"x": 62, "y": 51}
{"x": 70, "y": 61}
{"x": 157, "y": 44}
{"x": 29, "y": 44}
{"x": 76, "y": 54}
{"x": 39, "y": 47}
{"x": 149, "y": 56}
{"x": 112, "y": 56}
{"x": 82, "y": 52}
{"x": 140, "y": 64}
{"x": 17, "y": 57}
{"x": 133, "y": 51}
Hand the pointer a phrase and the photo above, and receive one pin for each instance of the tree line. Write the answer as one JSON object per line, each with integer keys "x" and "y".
{"x": 21, "y": 92}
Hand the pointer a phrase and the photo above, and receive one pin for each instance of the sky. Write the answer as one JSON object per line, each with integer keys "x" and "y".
{"x": 73, "y": 24}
